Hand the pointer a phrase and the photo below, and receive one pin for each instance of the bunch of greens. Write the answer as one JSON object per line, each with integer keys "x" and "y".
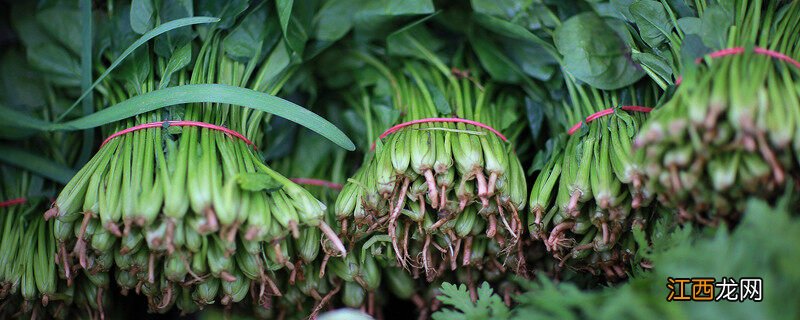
{"x": 437, "y": 188}
{"x": 750, "y": 250}
{"x": 586, "y": 199}
{"x": 29, "y": 282}
{"x": 190, "y": 216}
{"x": 729, "y": 130}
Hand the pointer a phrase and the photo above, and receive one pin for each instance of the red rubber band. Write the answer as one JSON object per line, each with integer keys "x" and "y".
{"x": 605, "y": 112}
{"x": 182, "y": 123}
{"x": 740, "y": 50}
{"x": 439, "y": 120}
{"x": 317, "y": 182}
{"x": 12, "y": 202}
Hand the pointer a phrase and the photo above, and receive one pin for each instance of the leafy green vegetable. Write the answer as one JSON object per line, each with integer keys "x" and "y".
{"x": 594, "y": 53}
{"x": 147, "y": 36}
{"x": 143, "y": 15}
{"x": 652, "y": 20}
{"x": 38, "y": 164}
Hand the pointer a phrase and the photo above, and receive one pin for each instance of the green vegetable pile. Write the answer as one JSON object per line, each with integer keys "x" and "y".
{"x": 729, "y": 130}
{"x": 587, "y": 197}
{"x": 447, "y": 194}
{"x": 191, "y": 216}
{"x": 509, "y": 159}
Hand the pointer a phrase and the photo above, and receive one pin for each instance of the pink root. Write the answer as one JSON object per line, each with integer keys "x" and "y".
{"x": 492, "y": 229}
{"x": 433, "y": 192}
{"x": 483, "y": 192}
{"x": 492, "y": 183}
{"x": 331, "y": 235}
{"x": 467, "y": 252}
{"x": 572, "y": 207}
{"x": 558, "y": 230}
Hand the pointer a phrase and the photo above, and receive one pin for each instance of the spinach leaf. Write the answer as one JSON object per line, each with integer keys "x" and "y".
{"x": 173, "y": 40}
{"x": 714, "y": 26}
{"x": 143, "y": 15}
{"x": 496, "y": 63}
{"x": 652, "y": 20}
{"x": 594, "y": 52}
{"x": 690, "y": 25}
{"x": 179, "y": 60}
{"x": 245, "y": 40}
{"x": 507, "y": 9}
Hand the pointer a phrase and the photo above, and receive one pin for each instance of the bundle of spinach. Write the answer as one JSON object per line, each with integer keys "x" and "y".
{"x": 189, "y": 216}
{"x": 728, "y": 132}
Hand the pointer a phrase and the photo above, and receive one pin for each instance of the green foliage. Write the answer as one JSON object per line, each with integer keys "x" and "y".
{"x": 596, "y": 53}
{"x": 756, "y": 248}
{"x": 488, "y": 305}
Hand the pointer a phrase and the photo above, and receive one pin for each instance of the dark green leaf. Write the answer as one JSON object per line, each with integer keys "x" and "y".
{"x": 652, "y": 20}
{"x": 226, "y": 11}
{"x": 44, "y": 53}
{"x": 143, "y": 15}
{"x": 284, "y": 12}
{"x": 594, "y": 53}
{"x": 692, "y": 48}
{"x": 147, "y": 36}
{"x": 86, "y": 76}
{"x": 500, "y": 8}
{"x": 714, "y": 26}
{"x": 37, "y": 164}
{"x": 279, "y": 60}
{"x": 623, "y": 7}
{"x": 535, "y": 112}
{"x": 656, "y": 63}
{"x": 245, "y": 40}
{"x": 690, "y": 25}
{"x": 63, "y": 24}
{"x": 173, "y": 40}
{"x": 375, "y": 19}
{"x": 135, "y": 71}
{"x": 281, "y": 136}
{"x": 496, "y": 63}
{"x": 300, "y": 24}
{"x": 179, "y": 60}
{"x": 409, "y": 41}
{"x": 20, "y": 85}
{"x": 335, "y": 19}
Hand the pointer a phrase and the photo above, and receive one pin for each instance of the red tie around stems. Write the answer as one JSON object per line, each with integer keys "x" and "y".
{"x": 181, "y": 123}
{"x": 439, "y": 120}
{"x": 317, "y": 182}
{"x": 12, "y": 202}
{"x": 606, "y": 112}
{"x": 740, "y": 50}
{"x": 713, "y": 55}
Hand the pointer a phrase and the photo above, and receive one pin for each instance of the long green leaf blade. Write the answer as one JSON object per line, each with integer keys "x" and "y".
{"x": 166, "y": 27}
{"x": 210, "y": 93}
{"x": 35, "y": 163}
{"x": 86, "y": 76}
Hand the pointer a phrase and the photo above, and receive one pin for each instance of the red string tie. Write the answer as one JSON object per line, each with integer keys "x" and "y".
{"x": 440, "y": 120}
{"x": 605, "y": 112}
{"x": 740, "y": 50}
{"x": 317, "y": 182}
{"x": 12, "y": 202}
{"x": 181, "y": 123}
